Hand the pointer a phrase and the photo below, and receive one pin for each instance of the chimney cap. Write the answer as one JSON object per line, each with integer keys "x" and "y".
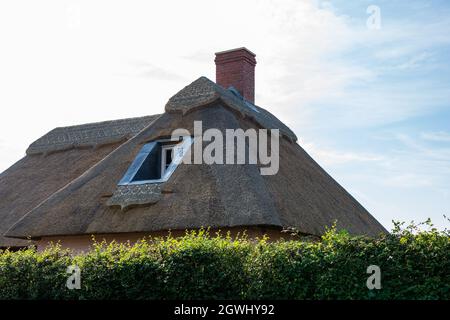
{"x": 237, "y": 49}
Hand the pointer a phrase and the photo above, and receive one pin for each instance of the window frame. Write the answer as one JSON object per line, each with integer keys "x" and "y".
{"x": 184, "y": 145}
{"x": 164, "y": 148}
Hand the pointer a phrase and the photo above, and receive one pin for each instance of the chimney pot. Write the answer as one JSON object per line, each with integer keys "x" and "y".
{"x": 236, "y": 68}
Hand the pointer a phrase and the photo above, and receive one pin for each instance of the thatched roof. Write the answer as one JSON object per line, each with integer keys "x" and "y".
{"x": 46, "y": 168}
{"x": 300, "y": 195}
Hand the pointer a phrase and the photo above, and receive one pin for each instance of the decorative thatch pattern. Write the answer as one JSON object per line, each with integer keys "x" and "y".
{"x": 203, "y": 92}
{"x": 89, "y": 135}
{"x": 133, "y": 195}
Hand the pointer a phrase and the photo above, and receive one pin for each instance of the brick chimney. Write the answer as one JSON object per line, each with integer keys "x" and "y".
{"x": 236, "y": 68}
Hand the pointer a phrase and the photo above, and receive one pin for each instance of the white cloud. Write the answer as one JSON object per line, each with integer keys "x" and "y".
{"x": 415, "y": 61}
{"x": 422, "y": 151}
{"x": 411, "y": 164}
{"x": 407, "y": 180}
{"x": 330, "y": 157}
{"x": 137, "y": 68}
{"x": 58, "y": 75}
{"x": 440, "y": 136}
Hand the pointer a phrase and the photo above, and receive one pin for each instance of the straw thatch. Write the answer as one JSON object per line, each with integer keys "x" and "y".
{"x": 39, "y": 175}
{"x": 300, "y": 195}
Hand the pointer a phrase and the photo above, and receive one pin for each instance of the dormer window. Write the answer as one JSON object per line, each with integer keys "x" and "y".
{"x": 156, "y": 161}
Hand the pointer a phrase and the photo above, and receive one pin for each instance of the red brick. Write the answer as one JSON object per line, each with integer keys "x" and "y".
{"x": 237, "y": 68}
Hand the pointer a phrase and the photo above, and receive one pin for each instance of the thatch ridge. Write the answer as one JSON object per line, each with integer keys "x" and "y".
{"x": 89, "y": 135}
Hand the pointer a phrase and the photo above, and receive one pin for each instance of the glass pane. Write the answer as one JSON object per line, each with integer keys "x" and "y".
{"x": 169, "y": 153}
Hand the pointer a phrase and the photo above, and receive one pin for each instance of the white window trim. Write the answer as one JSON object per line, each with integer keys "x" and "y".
{"x": 164, "y": 148}
{"x": 180, "y": 151}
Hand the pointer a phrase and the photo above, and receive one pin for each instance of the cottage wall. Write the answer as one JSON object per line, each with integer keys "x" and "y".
{"x": 82, "y": 243}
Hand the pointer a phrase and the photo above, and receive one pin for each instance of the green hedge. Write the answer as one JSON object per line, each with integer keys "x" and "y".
{"x": 199, "y": 266}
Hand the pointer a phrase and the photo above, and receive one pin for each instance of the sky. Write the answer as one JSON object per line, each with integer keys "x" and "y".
{"x": 363, "y": 84}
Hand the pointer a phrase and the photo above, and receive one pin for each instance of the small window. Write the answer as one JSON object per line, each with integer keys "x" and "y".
{"x": 167, "y": 156}
{"x": 156, "y": 161}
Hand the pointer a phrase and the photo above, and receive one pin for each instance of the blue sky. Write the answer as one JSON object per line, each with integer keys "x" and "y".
{"x": 388, "y": 137}
{"x": 371, "y": 106}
